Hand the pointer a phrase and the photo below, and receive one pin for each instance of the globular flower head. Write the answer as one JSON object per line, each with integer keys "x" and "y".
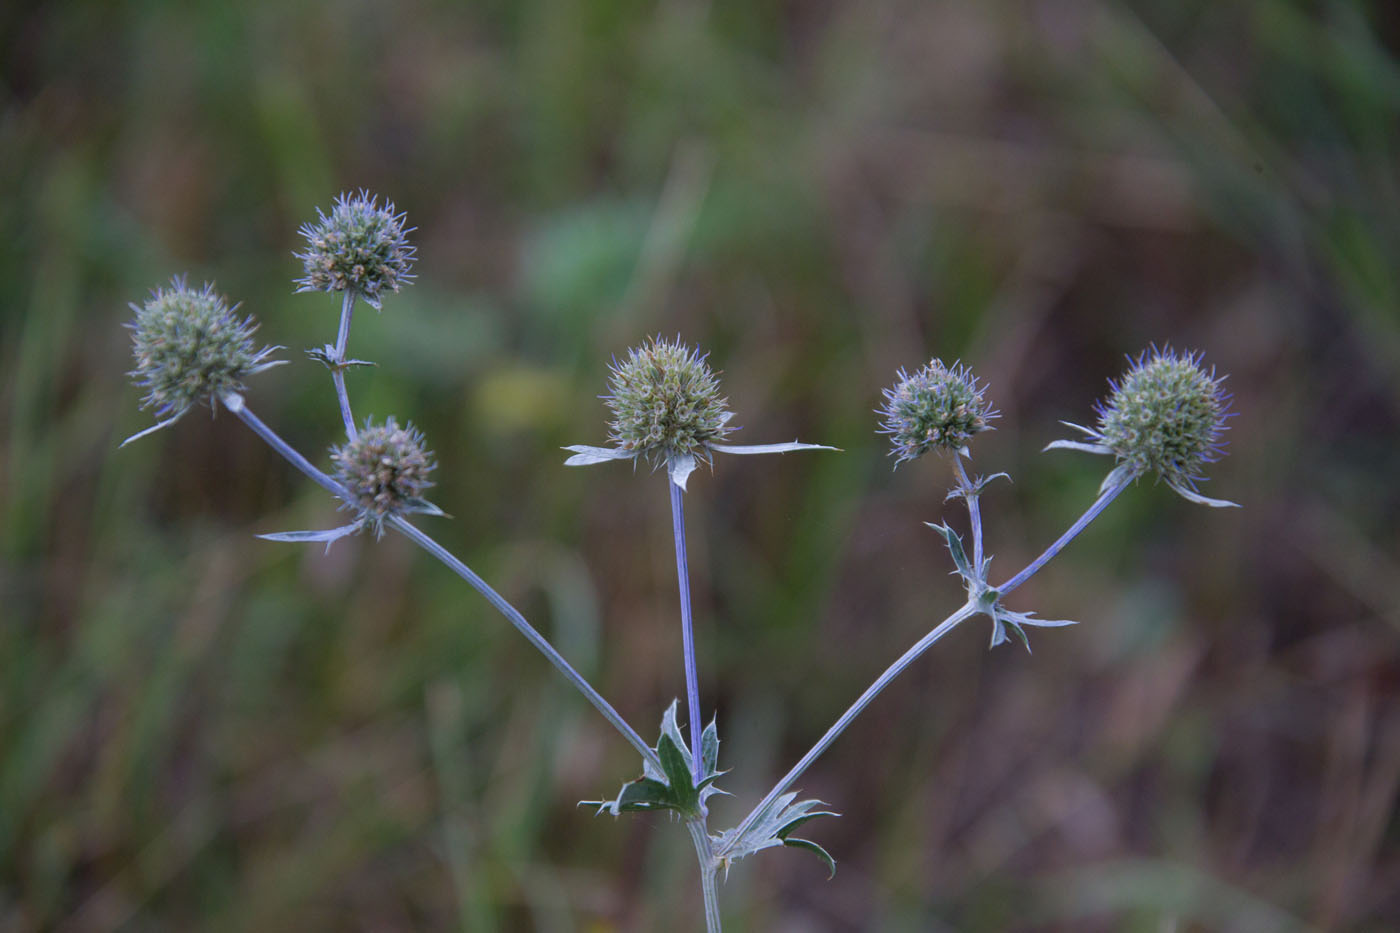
{"x": 938, "y": 407}
{"x": 665, "y": 402}
{"x": 385, "y": 468}
{"x": 191, "y": 347}
{"x": 1165, "y": 416}
{"x": 360, "y": 246}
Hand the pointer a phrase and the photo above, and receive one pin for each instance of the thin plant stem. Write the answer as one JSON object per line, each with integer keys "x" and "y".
{"x": 855, "y": 709}
{"x": 525, "y": 628}
{"x": 1101, "y": 503}
{"x": 708, "y": 873}
{"x": 974, "y": 514}
{"x": 235, "y": 404}
{"x": 692, "y": 678}
{"x": 342, "y": 340}
{"x": 895, "y": 669}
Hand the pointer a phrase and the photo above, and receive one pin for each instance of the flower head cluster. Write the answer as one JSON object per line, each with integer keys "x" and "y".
{"x": 666, "y": 407}
{"x": 359, "y": 246}
{"x": 190, "y": 348}
{"x": 939, "y": 407}
{"x": 1164, "y": 417}
{"x": 385, "y": 469}
{"x": 665, "y": 401}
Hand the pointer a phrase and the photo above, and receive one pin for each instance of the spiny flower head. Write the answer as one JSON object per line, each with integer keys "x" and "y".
{"x": 1165, "y": 416}
{"x": 359, "y": 246}
{"x": 191, "y": 347}
{"x": 665, "y": 401}
{"x": 385, "y": 468}
{"x": 939, "y": 407}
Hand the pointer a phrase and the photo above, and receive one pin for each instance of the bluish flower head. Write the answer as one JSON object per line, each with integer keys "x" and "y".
{"x": 360, "y": 246}
{"x": 667, "y": 408}
{"x": 385, "y": 469}
{"x": 939, "y": 407}
{"x": 1165, "y": 417}
{"x": 190, "y": 347}
{"x": 665, "y": 402}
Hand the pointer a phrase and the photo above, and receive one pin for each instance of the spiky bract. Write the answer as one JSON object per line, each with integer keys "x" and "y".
{"x": 1165, "y": 416}
{"x": 359, "y": 246}
{"x": 939, "y": 407}
{"x": 190, "y": 348}
{"x": 385, "y": 468}
{"x": 665, "y": 401}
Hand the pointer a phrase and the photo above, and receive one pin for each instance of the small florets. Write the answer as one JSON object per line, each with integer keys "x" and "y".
{"x": 937, "y": 408}
{"x": 1165, "y": 416}
{"x": 665, "y": 401}
{"x": 190, "y": 347}
{"x": 385, "y": 468}
{"x": 360, "y": 247}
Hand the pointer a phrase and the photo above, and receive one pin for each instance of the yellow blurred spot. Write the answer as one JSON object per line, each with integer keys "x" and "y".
{"x": 516, "y": 398}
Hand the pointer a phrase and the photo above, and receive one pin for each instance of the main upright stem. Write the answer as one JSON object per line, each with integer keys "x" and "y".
{"x": 692, "y": 678}
{"x": 704, "y": 853}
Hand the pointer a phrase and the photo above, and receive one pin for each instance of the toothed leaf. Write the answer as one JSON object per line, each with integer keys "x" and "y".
{"x": 772, "y": 827}
{"x": 671, "y": 786}
{"x": 955, "y": 548}
{"x": 709, "y": 748}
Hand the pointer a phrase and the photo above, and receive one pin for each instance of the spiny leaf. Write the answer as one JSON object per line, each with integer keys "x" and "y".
{"x": 709, "y": 748}
{"x": 670, "y": 786}
{"x": 816, "y": 850}
{"x": 955, "y": 548}
{"x": 677, "y": 767}
{"x": 772, "y": 827}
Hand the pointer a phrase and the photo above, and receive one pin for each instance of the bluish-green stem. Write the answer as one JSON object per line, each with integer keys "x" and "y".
{"x": 342, "y": 340}
{"x": 235, "y": 404}
{"x": 709, "y": 871}
{"x": 855, "y": 709}
{"x": 692, "y": 678}
{"x": 894, "y": 670}
{"x": 1101, "y": 503}
{"x": 974, "y": 514}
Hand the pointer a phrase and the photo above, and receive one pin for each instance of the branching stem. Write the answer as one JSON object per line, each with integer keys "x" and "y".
{"x": 855, "y": 709}
{"x": 235, "y": 404}
{"x": 1101, "y": 503}
{"x": 894, "y": 670}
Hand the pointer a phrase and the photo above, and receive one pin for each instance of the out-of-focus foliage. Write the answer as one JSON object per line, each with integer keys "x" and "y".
{"x": 199, "y": 730}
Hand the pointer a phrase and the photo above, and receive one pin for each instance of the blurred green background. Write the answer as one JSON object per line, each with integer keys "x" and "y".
{"x": 200, "y": 730}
